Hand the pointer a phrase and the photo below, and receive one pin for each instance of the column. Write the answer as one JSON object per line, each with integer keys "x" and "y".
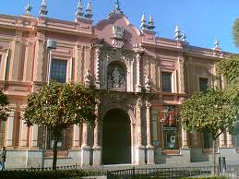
{"x": 138, "y": 52}
{"x": 34, "y": 137}
{"x": 229, "y": 140}
{"x": 140, "y": 149}
{"x": 222, "y": 143}
{"x": 9, "y": 128}
{"x": 97, "y": 148}
{"x": 97, "y": 65}
{"x": 85, "y": 148}
{"x": 76, "y": 136}
{"x": 150, "y": 148}
{"x": 184, "y": 138}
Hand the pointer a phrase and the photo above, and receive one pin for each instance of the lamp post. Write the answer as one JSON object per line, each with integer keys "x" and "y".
{"x": 50, "y": 45}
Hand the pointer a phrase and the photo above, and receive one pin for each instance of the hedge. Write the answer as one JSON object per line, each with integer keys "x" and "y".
{"x": 52, "y": 174}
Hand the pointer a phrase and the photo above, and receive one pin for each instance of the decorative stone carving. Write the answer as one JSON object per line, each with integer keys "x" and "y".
{"x": 138, "y": 51}
{"x": 109, "y": 56}
{"x": 117, "y": 9}
{"x": 87, "y": 78}
{"x": 118, "y": 35}
{"x": 116, "y": 78}
{"x": 147, "y": 84}
{"x": 28, "y": 9}
{"x": 97, "y": 65}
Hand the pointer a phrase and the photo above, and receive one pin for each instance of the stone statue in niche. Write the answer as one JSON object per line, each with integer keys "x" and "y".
{"x": 116, "y": 78}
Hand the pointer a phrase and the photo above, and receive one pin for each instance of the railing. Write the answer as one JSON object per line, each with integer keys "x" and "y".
{"x": 227, "y": 171}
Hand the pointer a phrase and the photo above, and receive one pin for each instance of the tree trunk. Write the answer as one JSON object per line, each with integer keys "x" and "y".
{"x": 55, "y": 152}
{"x": 213, "y": 156}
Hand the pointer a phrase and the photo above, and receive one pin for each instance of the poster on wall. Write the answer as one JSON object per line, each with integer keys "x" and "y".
{"x": 170, "y": 128}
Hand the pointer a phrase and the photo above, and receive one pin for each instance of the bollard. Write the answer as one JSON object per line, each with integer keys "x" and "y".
{"x": 222, "y": 164}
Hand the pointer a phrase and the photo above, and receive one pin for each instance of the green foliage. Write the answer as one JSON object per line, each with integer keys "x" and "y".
{"x": 4, "y": 110}
{"x": 213, "y": 177}
{"x": 236, "y": 32}
{"x": 59, "y": 105}
{"x": 229, "y": 68}
{"x": 46, "y": 174}
{"x": 208, "y": 112}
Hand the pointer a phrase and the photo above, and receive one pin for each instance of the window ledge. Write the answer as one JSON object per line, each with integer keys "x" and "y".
{"x": 171, "y": 152}
{"x": 60, "y": 153}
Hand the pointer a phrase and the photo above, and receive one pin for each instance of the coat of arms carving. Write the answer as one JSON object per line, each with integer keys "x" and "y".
{"x": 118, "y": 36}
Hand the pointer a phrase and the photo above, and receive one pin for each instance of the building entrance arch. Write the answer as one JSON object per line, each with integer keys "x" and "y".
{"x": 116, "y": 137}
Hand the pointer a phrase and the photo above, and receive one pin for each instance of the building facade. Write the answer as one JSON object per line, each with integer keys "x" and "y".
{"x": 141, "y": 80}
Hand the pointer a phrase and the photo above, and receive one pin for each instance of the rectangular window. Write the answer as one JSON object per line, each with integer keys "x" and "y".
{"x": 207, "y": 136}
{"x": 167, "y": 81}
{"x": 51, "y": 140}
{"x": 203, "y": 84}
{"x": 58, "y": 70}
{"x": 235, "y": 137}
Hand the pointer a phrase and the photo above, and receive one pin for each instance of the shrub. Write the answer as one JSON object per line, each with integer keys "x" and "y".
{"x": 53, "y": 174}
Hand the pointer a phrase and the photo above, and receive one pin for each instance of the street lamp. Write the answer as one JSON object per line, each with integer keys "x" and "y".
{"x": 50, "y": 45}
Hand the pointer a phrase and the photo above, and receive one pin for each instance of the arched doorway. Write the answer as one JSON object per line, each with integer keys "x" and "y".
{"x": 116, "y": 137}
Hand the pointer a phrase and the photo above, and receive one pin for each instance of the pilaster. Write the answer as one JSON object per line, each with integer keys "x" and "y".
{"x": 78, "y": 64}
{"x": 9, "y": 129}
{"x": 185, "y": 139}
{"x": 3, "y": 65}
{"x": 34, "y": 137}
{"x": 138, "y": 51}
{"x": 97, "y": 149}
{"x": 97, "y": 65}
{"x": 150, "y": 148}
{"x": 229, "y": 140}
{"x": 140, "y": 149}
{"x": 85, "y": 148}
{"x": 23, "y": 133}
{"x": 181, "y": 81}
{"x": 222, "y": 143}
{"x": 88, "y": 59}
{"x": 14, "y": 67}
{"x": 28, "y": 64}
{"x": 39, "y": 68}
{"x": 76, "y": 137}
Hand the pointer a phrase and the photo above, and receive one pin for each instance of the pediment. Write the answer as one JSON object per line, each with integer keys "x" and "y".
{"x": 118, "y": 32}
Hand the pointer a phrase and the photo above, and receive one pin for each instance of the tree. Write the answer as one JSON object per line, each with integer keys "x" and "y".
{"x": 236, "y": 32}
{"x": 4, "y": 110}
{"x": 229, "y": 68}
{"x": 208, "y": 112}
{"x": 58, "y": 106}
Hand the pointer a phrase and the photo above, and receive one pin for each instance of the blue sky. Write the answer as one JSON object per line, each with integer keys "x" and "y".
{"x": 201, "y": 20}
